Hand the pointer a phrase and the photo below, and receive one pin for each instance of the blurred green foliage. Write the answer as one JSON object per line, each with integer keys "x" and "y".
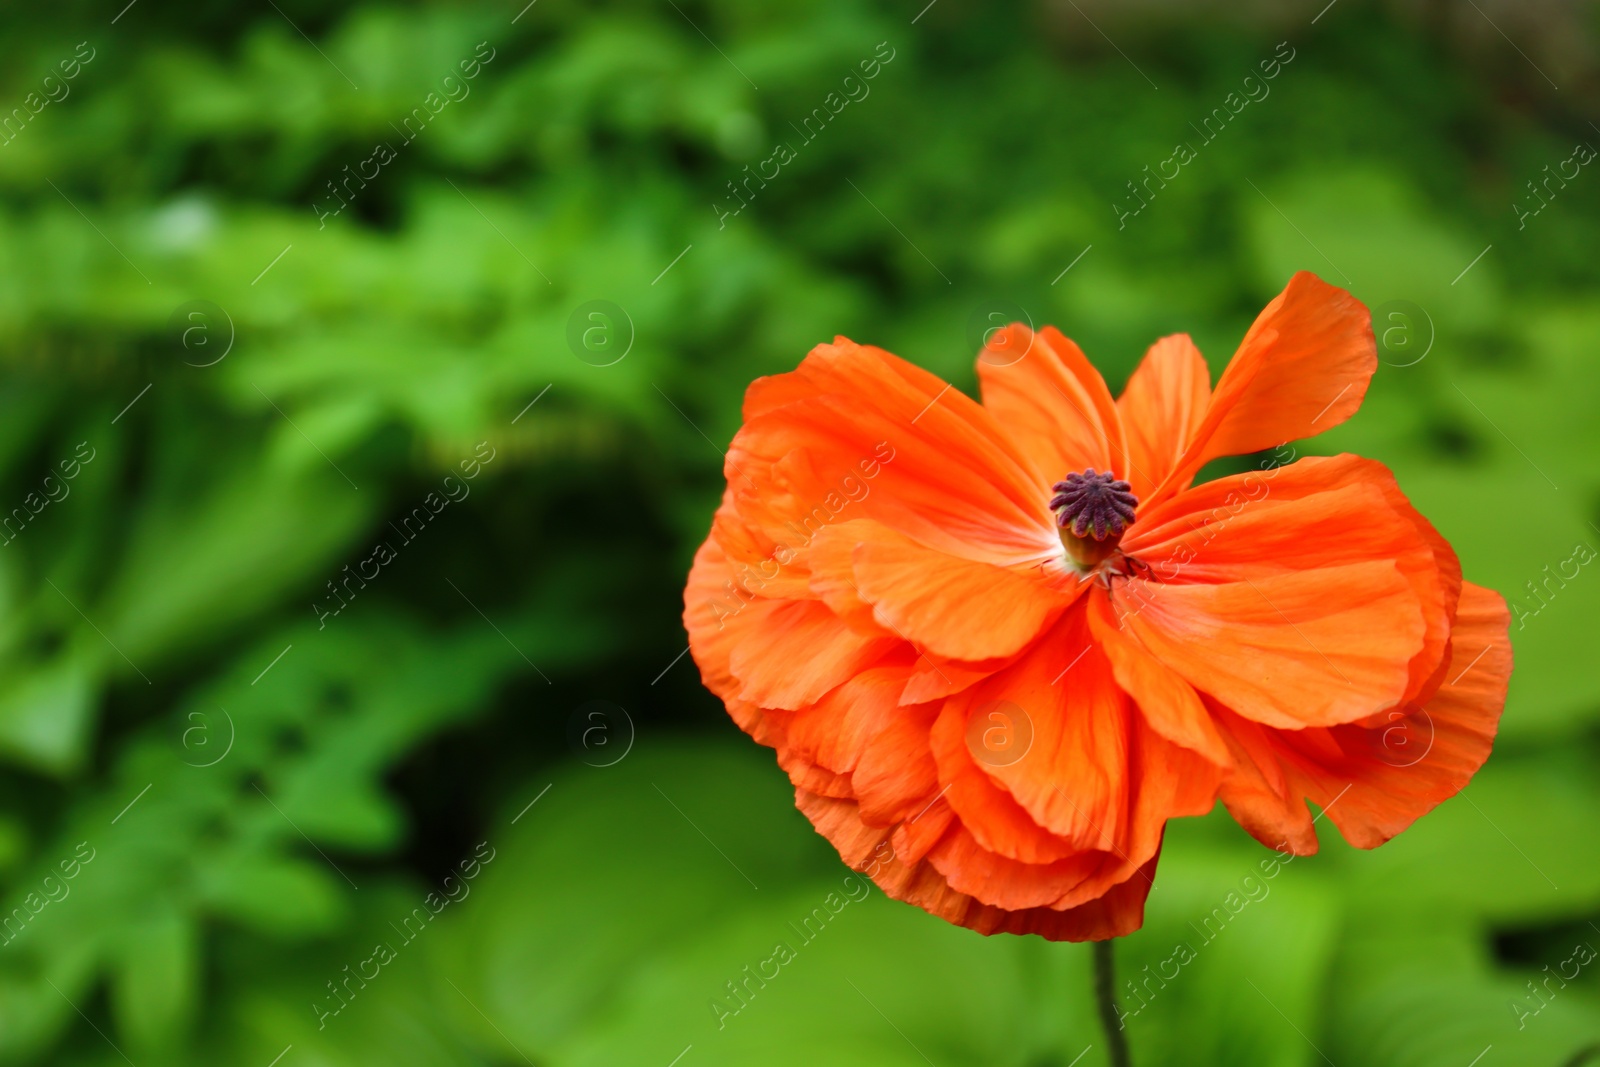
{"x": 267, "y": 790}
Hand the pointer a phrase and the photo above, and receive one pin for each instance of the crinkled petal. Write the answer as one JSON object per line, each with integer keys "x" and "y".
{"x": 1161, "y": 409}
{"x": 791, "y": 653}
{"x": 859, "y": 731}
{"x": 1168, "y": 703}
{"x": 1118, "y": 912}
{"x": 1375, "y": 781}
{"x": 1052, "y": 402}
{"x": 1093, "y": 774}
{"x": 1315, "y": 513}
{"x": 1302, "y": 368}
{"x": 1311, "y": 598}
{"x": 964, "y": 609}
{"x": 856, "y": 433}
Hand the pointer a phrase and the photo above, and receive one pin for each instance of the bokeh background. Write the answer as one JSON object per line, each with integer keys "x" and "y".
{"x": 266, "y": 304}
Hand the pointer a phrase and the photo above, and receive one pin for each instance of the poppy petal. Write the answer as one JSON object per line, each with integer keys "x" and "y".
{"x": 1302, "y": 368}
{"x": 1118, "y": 912}
{"x": 1290, "y": 650}
{"x": 1052, "y": 402}
{"x": 1375, "y": 781}
{"x": 1308, "y": 600}
{"x": 858, "y": 731}
{"x": 934, "y": 677}
{"x": 1257, "y": 790}
{"x": 709, "y": 602}
{"x": 954, "y": 607}
{"x": 790, "y": 653}
{"x": 990, "y": 815}
{"x": 858, "y": 433}
{"x": 1161, "y": 408}
{"x": 1095, "y": 775}
{"x": 1314, "y": 513}
{"x": 1008, "y": 883}
{"x": 1169, "y": 704}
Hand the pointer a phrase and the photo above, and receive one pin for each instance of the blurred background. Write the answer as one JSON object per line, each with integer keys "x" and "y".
{"x": 366, "y": 370}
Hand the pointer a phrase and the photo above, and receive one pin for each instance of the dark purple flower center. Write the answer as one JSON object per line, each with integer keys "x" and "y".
{"x": 1094, "y": 505}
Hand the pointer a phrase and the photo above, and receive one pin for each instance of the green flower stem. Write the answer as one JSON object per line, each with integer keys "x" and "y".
{"x": 1105, "y": 995}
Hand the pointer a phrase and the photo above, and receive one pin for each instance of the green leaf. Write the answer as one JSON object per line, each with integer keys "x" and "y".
{"x": 1232, "y": 963}
{"x": 276, "y": 895}
{"x": 652, "y": 848}
{"x": 1415, "y": 989}
{"x": 1501, "y": 851}
{"x": 155, "y": 977}
{"x": 46, "y": 713}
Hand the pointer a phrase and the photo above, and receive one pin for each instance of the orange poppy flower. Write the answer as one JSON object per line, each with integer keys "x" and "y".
{"x": 997, "y": 646}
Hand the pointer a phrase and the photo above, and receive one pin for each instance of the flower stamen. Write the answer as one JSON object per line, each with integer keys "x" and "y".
{"x": 1092, "y": 512}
